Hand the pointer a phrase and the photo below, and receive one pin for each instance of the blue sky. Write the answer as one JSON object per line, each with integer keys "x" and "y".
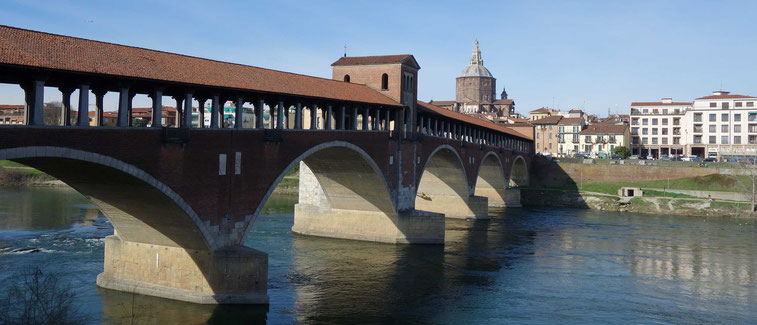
{"x": 570, "y": 54}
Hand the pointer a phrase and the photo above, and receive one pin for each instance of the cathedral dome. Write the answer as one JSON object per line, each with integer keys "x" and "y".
{"x": 476, "y": 70}
{"x": 476, "y": 67}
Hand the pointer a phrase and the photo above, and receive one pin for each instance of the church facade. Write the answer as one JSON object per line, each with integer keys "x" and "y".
{"x": 475, "y": 92}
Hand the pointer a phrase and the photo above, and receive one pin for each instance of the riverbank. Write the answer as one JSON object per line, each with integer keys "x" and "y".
{"x": 26, "y": 176}
{"x": 673, "y": 204}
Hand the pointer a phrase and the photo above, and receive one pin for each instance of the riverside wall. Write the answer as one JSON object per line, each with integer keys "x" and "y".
{"x": 551, "y": 174}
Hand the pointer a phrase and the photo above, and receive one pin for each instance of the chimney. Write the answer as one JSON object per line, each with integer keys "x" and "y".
{"x": 667, "y": 100}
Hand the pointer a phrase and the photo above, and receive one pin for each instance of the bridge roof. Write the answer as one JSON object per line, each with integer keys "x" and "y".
{"x": 470, "y": 120}
{"x": 22, "y": 47}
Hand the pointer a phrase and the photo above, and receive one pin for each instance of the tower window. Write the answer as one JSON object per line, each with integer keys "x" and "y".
{"x": 346, "y": 78}
{"x": 384, "y": 81}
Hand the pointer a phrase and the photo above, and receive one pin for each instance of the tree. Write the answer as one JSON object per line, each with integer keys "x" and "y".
{"x": 622, "y": 151}
{"x": 38, "y": 298}
{"x": 51, "y": 113}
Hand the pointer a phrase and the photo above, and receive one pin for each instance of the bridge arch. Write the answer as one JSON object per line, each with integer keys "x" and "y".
{"x": 162, "y": 217}
{"x": 336, "y": 177}
{"x": 518, "y": 172}
{"x": 490, "y": 180}
{"x": 443, "y": 186}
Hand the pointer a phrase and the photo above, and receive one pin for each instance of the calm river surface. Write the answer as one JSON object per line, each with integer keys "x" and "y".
{"x": 524, "y": 266}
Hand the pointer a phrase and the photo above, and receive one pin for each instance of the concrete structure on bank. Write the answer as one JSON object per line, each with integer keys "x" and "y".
{"x": 183, "y": 200}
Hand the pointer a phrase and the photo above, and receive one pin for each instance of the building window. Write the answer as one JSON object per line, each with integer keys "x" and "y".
{"x": 713, "y": 117}
{"x": 724, "y": 139}
{"x": 644, "y": 141}
{"x": 537, "y": 145}
{"x": 664, "y": 121}
{"x": 550, "y": 146}
{"x": 575, "y": 148}
{"x": 737, "y": 117}
{"x": 654, "y": 121}
{"x": 599, "y": 148}
{"x": 664, "y": 111}
{"x": 537, "y": 135}
{"x": 713, "y": 104}
{"x": 697, "y": 139}
{"x": 713, "y": 139}
{"x": 664, "y": 140}
{"x": 713, "y": 128}
{"x": 635, "y": 140}
{"x": 664, "y": 131}
{"x": 384, "y": 81}
{"x": 752, "y": 116}
{"x": 644, "y": 131}
{"x": 654, "y": 131}
{"x": 587, "y": 138}
{"x": 738, "y": 104}
{"x": 737, "y": 139}
{"x": 587, "y": 148}
{"x": 725, "y": 105}
{"x": 753, "y": 139}
{"x": 644, "y": 122}
{"x": 550, "y": 135}
{"x": 737, "y": 128}
{"x": 698, "y": 117}
{"x": 635, "y": 130}
{"x": 635, "y": 121}
{"x": 749, "y": 104}
{"x": 678, "y": 140}
{"x": 724, "y": 117}
{"x": 346, "y": 78}
{"x": 654, "y": 140}
{"x": 575, "y": 138}
{"x": 724, "y": 128}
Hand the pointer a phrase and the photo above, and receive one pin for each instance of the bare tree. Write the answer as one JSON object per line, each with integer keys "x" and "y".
{"x": 38, "y": 298}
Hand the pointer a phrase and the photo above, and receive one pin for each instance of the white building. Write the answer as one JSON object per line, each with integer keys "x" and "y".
{"x": 722, "y": 125}
{"x": 601, "y": 139}
{"x": 657, "y": 128}
{"x": 568, "y": 140}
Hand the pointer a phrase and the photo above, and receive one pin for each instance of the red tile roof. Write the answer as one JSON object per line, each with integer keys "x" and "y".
{"x": 12, "y": 106}
{"x": 28, "y": 48}
{"x": 660, "y": 104}
{"x": 442, "y": 102}
{"x": 571, "y": 120}
{"x": 541, "y": 110}
{"x": 602, "y": 128}
{"x": 467, "y": 119}
{"x": 548, "y": 120}
{"x": 377, "y": 59}
{"x": 503, "y": 102}
{"x": 725, "y": 97}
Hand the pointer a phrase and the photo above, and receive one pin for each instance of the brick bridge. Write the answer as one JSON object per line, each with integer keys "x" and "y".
{"x": 375, "y": 163}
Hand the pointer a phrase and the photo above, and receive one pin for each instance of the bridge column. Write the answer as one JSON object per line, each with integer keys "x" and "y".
{"x": 280, "y": 115}
{"x": 214, "y": 107}
{"x": 342, "y": 118}
{"x": 366, "y": 113}
{"x": 314, "y": 116}
{"x": 34, "y": 94}
{"x": 188, "y": 110}
{"x": 298, "y": 117}
{"x": 377, "y": 120}
{"x": 259, "y": 112}
{"x": 157, "y": 108}
{"x": 83, "y": 106}
{"x": 123, "y": 106}
{"x": 387, "y": 118}
{"x": 99, "y": 105}
{"x": 238, "y": 121}
{"x": 65, "y": 116}
{"x": 329, "y": 116}
{"x": 353, "y": 118}
{"x": 179, "y": 110}
{"x": 201, "y": 112}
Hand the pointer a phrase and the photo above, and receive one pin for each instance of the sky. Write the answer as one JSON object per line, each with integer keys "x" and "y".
{"x": 593, "y": 55}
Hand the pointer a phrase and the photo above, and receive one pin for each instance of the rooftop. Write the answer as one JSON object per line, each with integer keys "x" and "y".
{"x": 605, "y": 128}
{"x": 377, "y": 59}
{"x": 571, "y": 120}
{"x": 468, "y": 119}
{"x": 22, "y": 47}
{"x": 661, "y": 104}
{"x": 548, "y": 120}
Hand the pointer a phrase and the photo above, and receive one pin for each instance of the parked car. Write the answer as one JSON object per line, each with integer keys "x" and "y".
{"x": 579, "y": 155}
{"x": 616, "y": 157}
{"x": 710, "y": 160}
{"x": 688, "y": 158}
{"x": 664, "y": 158}
{"x": 633, "y": 157}
{"x": 696, "y": 159}
{"x": 676, "y": 158}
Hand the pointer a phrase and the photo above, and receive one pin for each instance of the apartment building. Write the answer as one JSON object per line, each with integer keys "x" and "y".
{"x": 657, "y": 128}
{"x": 568, "y": 141}
{"x": 546, "y": 134}
{"x": 600, "y": 139}
{"x": 722, "y": 125}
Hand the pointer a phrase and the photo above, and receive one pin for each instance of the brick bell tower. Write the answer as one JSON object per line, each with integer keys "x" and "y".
{"x": 395, "y": 76}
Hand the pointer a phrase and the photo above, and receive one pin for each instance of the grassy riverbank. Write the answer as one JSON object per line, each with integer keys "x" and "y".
{"x": 15, "y": 174}
{"x": 712, "y": 182}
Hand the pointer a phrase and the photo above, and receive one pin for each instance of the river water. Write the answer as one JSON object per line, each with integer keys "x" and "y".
{"x": 528, "y": 266}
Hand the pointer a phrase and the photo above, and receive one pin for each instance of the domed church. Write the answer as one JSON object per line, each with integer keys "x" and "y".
{"x": 475, "y": 91}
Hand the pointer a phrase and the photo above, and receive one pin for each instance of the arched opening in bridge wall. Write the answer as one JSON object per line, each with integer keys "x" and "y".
{"x": 490, "y": 182}
{"x": 159, "y": 246}
{"x": 343, "y": 194}
{"x": 519, "y": 173}
{"x": 443, "y": 187}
